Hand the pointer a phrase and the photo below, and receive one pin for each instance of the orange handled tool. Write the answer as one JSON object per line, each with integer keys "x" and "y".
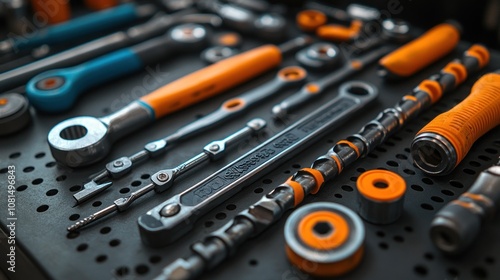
{"x": 335, "y": 32}
{"x": 443, "y": 143}
{"x": 51, "y": 11}
{"x": 421, "y": 52}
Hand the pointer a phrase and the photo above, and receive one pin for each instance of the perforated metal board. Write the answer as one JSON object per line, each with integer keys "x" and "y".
{"x": 112, "y": 248}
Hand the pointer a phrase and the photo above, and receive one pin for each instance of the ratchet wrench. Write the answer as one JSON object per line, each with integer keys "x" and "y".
{"x": 56, "y": 90}
{"x": 154, "y": 27}
{"x": 84, "y": 140}
{"x": 164, "y": 179}
{"x": 286, "y": 78}
{"x": 173, "y": 218}
{"x": 312, "y": 89}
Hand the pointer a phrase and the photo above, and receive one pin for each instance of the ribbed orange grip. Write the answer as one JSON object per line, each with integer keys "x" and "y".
{"x": 471, "y": 118}
{"x": 212, "y": 80}
{"x": 421, "y": 52}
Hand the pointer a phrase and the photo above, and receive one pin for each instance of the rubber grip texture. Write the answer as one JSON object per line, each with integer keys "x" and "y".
{"x": 212, "y": 80}
{"x": 471, "y": 118}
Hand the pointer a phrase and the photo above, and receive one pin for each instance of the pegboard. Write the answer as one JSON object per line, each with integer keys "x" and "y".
{"x": 112, "y": 249}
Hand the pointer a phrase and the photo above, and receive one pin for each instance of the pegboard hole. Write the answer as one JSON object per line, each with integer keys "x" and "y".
{"x": 15, "y": 155}
{"x": 489, "y": 260}
{"x": 40, "y": 155}
{"x": 74, "y": 217}
{"x": 28, "y": 169}
{"x": 484, "y": 158}
{"x": 491, "y": 151}
{"x": 96, "y": 203}
{"x": 230, "y": 207}
{"x": 136, "y": 183}
{"x": 426, "y": 206}
{"x": 73, "y": 132}
{"x": 122, "y": 271}
{"x": 101, "y": 258}
{"x": 427, "y": 181}
{"x": 456, "y": 184}
{"x": 267, "y": 181}
{"x": 4, "y": 170}
{"x": 407, "y": 150}
{"x": 347, "y": 188}
{"x": 448, "y": 192}
{"x": 371, "y": 155}
{"x": 114, "y": 242}
{"x": 399, "y": 238}
{"x": 287, "y": 171}
{"x": 380, "y": 233}
{"x": 360, "y": 169}
{"x": 409, "y": 171}
{"x": 155, "y": 259}
{"x": 61, "y": 178}
{"x": 82, "y": 247}
{"x": 50, "y": 164}
{"x": 105, "y": 230}
{"x": 21, "y": 188}
{"x": 141, "y": 269}
{"x": 220, "y": 216}
{"x": 124, "y": 190}
{"x": 75, "y": 188}
{"x": 469, "y": 171}
{"x": 408, "y": 229}
{"x": 338, "y": 195}
{"x": 51, "y": 192}
{"x": 417, "y": 188}
{"x": 353, "y": 179}
{"x": 145, "y": 176}
{"x": 480, "y": 273}
{"x": 42, "y": 208}
{"x": 209, "y": 224}
{"x": 73, "y": 234}
{"x": 253, "y": 262}
{"x": 258, "y": 190}
{"x": 474, "y": 163}
{"x": 296, "y": 165}
{"x": 37, "y": 181}
{"x": 420, "y": 270}
{"x": 383, "y": 246}
{"x": 453, "y": 272}
{"x": 401, "y": 156}
{"x": 429, "y": 256}
{"x": 437, "y": 199}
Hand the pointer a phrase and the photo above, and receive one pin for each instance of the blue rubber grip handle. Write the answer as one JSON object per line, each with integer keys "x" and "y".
{"x": 82, "y": 26}
{"x": 78, "y": 79}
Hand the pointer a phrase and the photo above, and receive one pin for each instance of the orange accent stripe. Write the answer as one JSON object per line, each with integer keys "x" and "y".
{"x": 432, "y": 88}
{"x": 480, "y": 53}
{"x": 458, "y": 70}
{"x": 350, "y": 144}
{"x": 318, "y": 177}
{"x": 298, "y": 191}
{"x": 337, "y": 161}
{"x": 410, "y": 97}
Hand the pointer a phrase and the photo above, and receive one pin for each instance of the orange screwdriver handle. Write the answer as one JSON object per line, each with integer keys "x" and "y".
{"x": 471, "y": 118}
{"x": 212, "y": 80}
{"x": 339, "y": 33}
{"x": 421, "y": 52}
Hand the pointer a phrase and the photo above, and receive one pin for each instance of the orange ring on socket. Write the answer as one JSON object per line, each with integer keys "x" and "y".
{"x": 457, "y": 70}
{"x": 337, "y": 161}
{"x": 480, "y": 53}
{"x": 351, "y": 145}
{"x": 432, "y": 88}
{"x": 338, "y": 235}
{"x": 229, "y": 39}
{"x": 395, "y": 185}
{"x": 233, "y": 104}
{"x": 292, "y": 73}
{"x": 410, "y": 97}
{"x": 310, "y": 20}
{"x": 298, "y": 191}
{"x": 318, "y": 178}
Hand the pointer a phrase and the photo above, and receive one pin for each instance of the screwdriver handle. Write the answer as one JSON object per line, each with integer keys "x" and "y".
{"x": 470, "y": 119}
{"x": 212, "y": 80}
{"x": 421, "y": 52}
{"x": 339, "y": 33}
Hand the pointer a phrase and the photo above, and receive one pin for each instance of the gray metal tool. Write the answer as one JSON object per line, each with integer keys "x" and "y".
{"x": 164, "y": 179}
{"x": 154, "y": 27}
{"x": 175, "y": 217}
{"x": 312, "y": 89}
{"x": 286, "y": 78}
{"x": 320, "y": 56}
{"x": 457, "y": 225}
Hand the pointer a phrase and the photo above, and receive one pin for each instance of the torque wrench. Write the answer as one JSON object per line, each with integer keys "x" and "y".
{"x": 56, "y": 90}
{"x": 287, "y": 77}
{"x": 442, "y": 144}
{"x": 312, "y": 89}
{"x": 77, "y": 28}
{"x": 154, "y": 27}
{"x": 222, "y": 243}
{"x": 457, "y": 225}
{"x": 164, "y": 179}
{"x": 84, "y": 140}
{"x": 159, "y": 227}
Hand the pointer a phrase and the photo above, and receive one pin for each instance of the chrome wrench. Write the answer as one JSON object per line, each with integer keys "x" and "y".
{"x": 173, "y": 218}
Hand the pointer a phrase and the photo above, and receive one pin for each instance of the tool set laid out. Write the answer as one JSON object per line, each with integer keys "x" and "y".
{"x": 412, "y": 194}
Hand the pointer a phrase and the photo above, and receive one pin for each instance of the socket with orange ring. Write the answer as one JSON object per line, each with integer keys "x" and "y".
{"x": 440, "y": 146}
{"x": 324, "y": 239}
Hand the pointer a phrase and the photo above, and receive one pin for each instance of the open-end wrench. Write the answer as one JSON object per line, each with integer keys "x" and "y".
{"x": 286, "y": 77}
{"x": 154, "y": 27}
{"x": 312, "y": 89}
{"x": 164, "y": 179}
{"x": 84, "y": 140}
{"x": 56, "y": 90}
{"x": 175, "y": 217}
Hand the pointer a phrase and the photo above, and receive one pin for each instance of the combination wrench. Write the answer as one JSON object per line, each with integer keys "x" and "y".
{"x": 164, "y": 179}
{"x": 84, "y": 140}
{"x": 286, "y": 78}
{"x": 173, "y": 218}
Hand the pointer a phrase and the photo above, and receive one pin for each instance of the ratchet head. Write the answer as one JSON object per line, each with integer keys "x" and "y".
{"x": 79, "y": 141}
